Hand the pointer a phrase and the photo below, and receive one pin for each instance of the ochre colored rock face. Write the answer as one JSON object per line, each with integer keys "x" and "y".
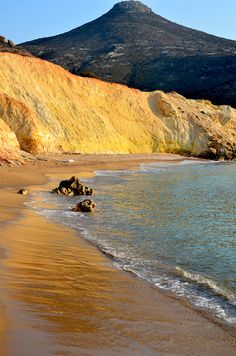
{"x": 9, "y": 146}
{"x": 47, "y": 109}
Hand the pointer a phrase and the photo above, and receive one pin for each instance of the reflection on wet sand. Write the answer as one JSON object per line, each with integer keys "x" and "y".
{"x": 63, "y": 297}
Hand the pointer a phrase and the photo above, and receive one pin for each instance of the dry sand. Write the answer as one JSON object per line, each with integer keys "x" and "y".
{"x": 61, "y": 296}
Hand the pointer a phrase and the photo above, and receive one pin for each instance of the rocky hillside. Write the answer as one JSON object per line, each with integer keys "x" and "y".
{"x": 44, "y": 108}
{"x": 8, "y": 46}
{"x": 132, "y": 45}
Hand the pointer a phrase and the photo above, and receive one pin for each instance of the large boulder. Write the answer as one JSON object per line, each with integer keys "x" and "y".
{"x": 72, "y": 187}
{"x": 86, "y": 206}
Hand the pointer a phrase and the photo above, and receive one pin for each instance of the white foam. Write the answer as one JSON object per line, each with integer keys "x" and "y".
{"x": 163, "y": 166}
{"x": 155, "y": 167}
{"x": 114, "y": 173}
{"x": 201, "y": 280}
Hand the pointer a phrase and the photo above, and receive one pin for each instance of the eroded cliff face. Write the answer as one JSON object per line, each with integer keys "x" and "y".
{"x": 9, "y": 146}
{"x": 47, "y": 109}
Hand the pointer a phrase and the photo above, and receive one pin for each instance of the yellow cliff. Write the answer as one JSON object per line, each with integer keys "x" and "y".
{"x": 44, "y": 108}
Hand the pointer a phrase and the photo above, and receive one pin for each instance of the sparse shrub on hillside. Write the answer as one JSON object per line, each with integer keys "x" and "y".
{"x": 6, "y": 42}
{"x": 88, "y": 74}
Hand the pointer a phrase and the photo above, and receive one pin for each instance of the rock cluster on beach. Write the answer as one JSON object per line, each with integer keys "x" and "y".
{"x": 73, "y": 187}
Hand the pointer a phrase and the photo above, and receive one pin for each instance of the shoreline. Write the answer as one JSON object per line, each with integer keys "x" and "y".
{"x": 166, "y": 311}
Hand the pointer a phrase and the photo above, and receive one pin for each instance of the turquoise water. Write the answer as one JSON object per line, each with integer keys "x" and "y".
{"x": 172, "y": 224}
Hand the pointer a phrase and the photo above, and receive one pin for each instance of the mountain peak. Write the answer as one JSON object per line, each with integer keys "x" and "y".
{"x": 131, "y": 6}
{"x": 132, "y": 45}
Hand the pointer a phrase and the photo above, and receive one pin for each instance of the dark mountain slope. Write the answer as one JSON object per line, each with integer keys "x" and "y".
{"x": 132, "y": 45}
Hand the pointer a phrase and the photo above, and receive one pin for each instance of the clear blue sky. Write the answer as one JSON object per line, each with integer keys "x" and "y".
{"x": 23, "y": 20}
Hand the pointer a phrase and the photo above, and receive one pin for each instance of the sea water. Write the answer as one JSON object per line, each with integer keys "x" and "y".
{"x": 171, "y": 224}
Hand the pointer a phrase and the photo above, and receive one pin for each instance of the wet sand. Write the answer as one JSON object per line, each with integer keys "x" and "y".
{"x": 61, "y": 296}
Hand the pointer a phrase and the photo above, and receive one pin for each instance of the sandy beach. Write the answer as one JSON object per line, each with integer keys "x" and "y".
{"x": 61, "y": 296}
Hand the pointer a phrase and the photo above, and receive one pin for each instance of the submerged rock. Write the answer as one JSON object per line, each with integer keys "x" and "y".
{"x": 23, "y": 191}
{"x": 72, "y": 187}
{"x": 86, "y": 206}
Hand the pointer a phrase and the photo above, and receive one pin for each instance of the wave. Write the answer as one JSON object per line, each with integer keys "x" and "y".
{"x": 154, "y": 167}
{"x": 159, "y": 166}
{"x": 207, "y": 282}
{"x": 115, "y": 173}
{"x": 214, "y": 298}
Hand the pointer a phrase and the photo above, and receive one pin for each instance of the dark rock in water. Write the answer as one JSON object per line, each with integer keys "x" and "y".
{"x": 86, "y": 206}
{"x": 73, "y": 187}
{"x": 132, "y": 45}
{"x": 23, "y": 191}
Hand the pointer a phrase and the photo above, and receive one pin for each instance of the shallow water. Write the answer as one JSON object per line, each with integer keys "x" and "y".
{"x": 172, "y": 224}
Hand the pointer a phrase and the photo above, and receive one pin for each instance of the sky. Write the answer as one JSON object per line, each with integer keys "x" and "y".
{"x": 24, "y": 20}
